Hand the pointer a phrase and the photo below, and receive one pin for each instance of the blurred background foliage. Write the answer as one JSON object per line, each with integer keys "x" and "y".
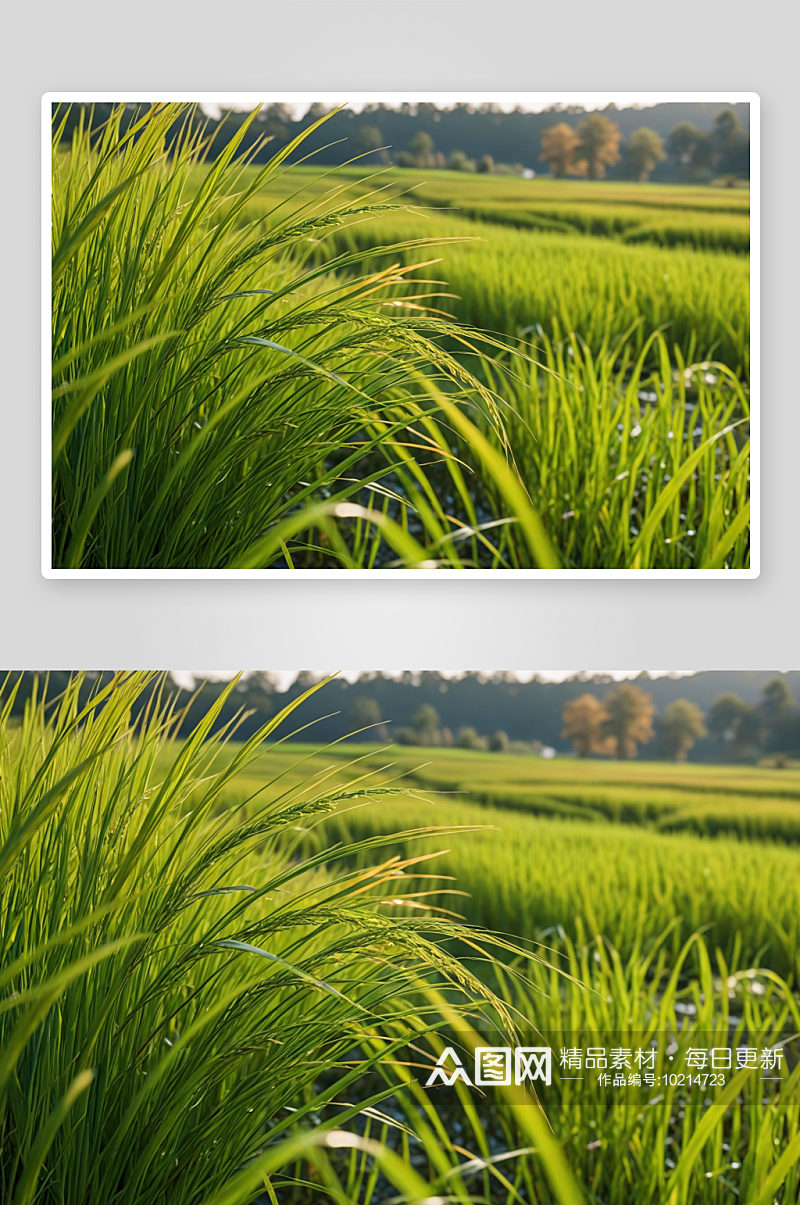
{"x": 715, "y": 716}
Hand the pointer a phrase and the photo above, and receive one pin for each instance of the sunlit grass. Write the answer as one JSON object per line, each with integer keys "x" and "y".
{"x": 600, "y": 290}
{"x": 680, "y": 940}
{"x": 255, "y": 369}
{"x": 190, "y": 1005}
{"x": 212, "y": 388}
{"x": 224, "y": 977}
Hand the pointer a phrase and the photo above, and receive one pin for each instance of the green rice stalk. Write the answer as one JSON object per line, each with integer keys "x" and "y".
{"x": 235, "y": 382}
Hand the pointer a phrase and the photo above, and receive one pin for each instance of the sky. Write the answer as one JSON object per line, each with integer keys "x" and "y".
{"x": 187, "y": 677}
{"x": 533, "y": 102}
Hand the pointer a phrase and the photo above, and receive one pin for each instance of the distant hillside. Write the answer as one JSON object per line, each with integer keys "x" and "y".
{"x": 510, "y": 138}
{"x": 525, "y": 711}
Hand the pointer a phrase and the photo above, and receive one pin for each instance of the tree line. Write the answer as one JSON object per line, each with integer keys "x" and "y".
{"x": 745, "y": 715}
{"x": 621, "y": 722}
{"x": 426, "y": 728}
{"x": 696, "y": 143}
{"x": 619, "y": 725}
{"x": 592, "y": 146}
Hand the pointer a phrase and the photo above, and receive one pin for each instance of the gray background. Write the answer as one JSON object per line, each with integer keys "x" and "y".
{"x": 379, "y": 44}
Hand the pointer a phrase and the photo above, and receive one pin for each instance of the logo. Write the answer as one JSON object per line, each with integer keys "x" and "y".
{"x": 494, "y": 1066}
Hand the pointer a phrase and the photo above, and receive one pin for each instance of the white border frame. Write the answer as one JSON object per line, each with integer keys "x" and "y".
{"x": 552, "y": 98}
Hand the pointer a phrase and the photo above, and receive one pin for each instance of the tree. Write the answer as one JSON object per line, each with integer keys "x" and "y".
{"x": 486, "y": 164}
{"x": 468, "y": 738}
{"x": 644, "y": 149}
{"x": 778, "y": 713}
{"x": 259, "y": 691}
{"x": 630, "y": 718}
{"x": 681, "y": 727}
{"x": 276, "y": 120}
{"x": 458, "y": 162}
{"x": 598, "y": 146}
{"x": 690, "y": 148}
{"x": 422, "y": 149}
{"x": 558, "y": 149}
{"x": 724, "y": 716}
{"x": 584, "y": 724}
{"x": 424, "y": 728}
{"x": 727, "y": 128}
{"x": 426, "y": 724}
{"x": 776, "y": 698}
{"x": 682, "y": 140}
{"x": 369, "y": 140}
{"x": 730, "y": 143}
{"x": 499, "y": 742}
{"x": 751, "y": 730}
{"x": 366, "y": 713}
{"x": 736, "y": 724}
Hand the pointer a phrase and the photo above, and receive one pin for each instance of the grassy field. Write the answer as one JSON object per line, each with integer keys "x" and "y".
{"x": 736, "y": 801}
{"x": 573, "y": 859}
{"x": 666, "y": 214}
{"x": 626, "y": 849}
{"x": 228, "y": 969}
{"x": 507, "y": 282}
{"x": 257, "y": 368}
{"x": 646, "y": 347}
{"x": 514, "y": 282}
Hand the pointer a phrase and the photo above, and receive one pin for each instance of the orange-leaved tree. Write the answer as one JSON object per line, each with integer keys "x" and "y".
{"x": 585, "y": 720}
{"x": 630, "y": 718}
{"x": 598, "y": 145}
{"x": 558, "y": 149}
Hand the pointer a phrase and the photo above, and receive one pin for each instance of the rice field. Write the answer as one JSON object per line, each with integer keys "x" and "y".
{"x": 738, "y": 801}
{"x": 650, "y": 341}
{"x": 697, "y": 933}
{"x": 576, "y": 860}
{"x": 281, "y": 367}
{"x": 635, "y": 360}
{"x": 625, "y": 849}
{"x": 698, "y": 217}
{"x": 598, "y": 288}
{"x": 228, "y": 969}
{"x": 675, "y": 216}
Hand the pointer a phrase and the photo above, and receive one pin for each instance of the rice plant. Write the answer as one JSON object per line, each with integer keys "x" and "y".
{"x": 680, "y": 1138}
{"x": 193, "y": 1011}
{"x": 631, "y": 442}
{"x": 209, "y": 383}
{"x": 663, "y": 479}
{"x": 681, "y": 1142}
